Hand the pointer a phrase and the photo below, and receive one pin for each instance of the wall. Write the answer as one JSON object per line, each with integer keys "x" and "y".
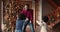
{"x": 46, "y": 8}
{"x": 0, "y": 13}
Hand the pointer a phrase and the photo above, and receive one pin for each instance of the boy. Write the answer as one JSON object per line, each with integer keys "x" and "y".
{"x": 19, "y": 22}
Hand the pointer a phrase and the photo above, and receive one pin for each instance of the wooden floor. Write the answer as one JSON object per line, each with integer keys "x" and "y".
{"x": 56, "y": 28}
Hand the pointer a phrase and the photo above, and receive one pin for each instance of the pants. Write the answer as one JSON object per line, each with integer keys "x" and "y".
{"x": 27, "y": 23}
{"x": 18, "y": 30}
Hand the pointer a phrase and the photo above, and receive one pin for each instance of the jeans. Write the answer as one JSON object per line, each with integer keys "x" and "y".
{"x": 28, "y": 23}
{"x": 18, "y": 30}
{"x": 19, "y": 25}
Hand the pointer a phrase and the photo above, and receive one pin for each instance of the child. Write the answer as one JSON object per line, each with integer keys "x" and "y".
{"x": 43, "y": 24}
{"x": 19, "y": 23}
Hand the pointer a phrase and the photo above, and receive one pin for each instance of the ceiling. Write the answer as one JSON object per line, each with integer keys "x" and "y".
{"x": 54, "y": 3}
{"x": 57, "y": 2}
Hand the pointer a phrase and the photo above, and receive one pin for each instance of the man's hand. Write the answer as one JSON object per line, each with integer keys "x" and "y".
{"x": 30, "y": 21}
{"x": 26, "y": 19}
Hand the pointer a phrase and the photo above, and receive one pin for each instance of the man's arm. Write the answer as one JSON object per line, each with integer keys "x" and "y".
{"x": 31, "y": 16}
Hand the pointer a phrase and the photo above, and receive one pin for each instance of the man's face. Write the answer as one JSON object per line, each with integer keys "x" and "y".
{"x": 25, "y": 7}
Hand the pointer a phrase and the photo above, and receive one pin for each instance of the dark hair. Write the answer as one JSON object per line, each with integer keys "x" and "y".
{"x": 27, "y": 5}
{"x": 22, "y": 16}
{"x": 45, "y": 19}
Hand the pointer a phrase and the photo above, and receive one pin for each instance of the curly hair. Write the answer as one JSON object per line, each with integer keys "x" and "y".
{"x": 45, "y": 19}
{"x": 22, "y": 16}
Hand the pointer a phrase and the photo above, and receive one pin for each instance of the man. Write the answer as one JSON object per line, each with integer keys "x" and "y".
{"x": 29, "y": 17}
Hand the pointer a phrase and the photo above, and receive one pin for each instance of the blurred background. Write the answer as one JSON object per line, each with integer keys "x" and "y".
{"x": 9, "y": 12}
